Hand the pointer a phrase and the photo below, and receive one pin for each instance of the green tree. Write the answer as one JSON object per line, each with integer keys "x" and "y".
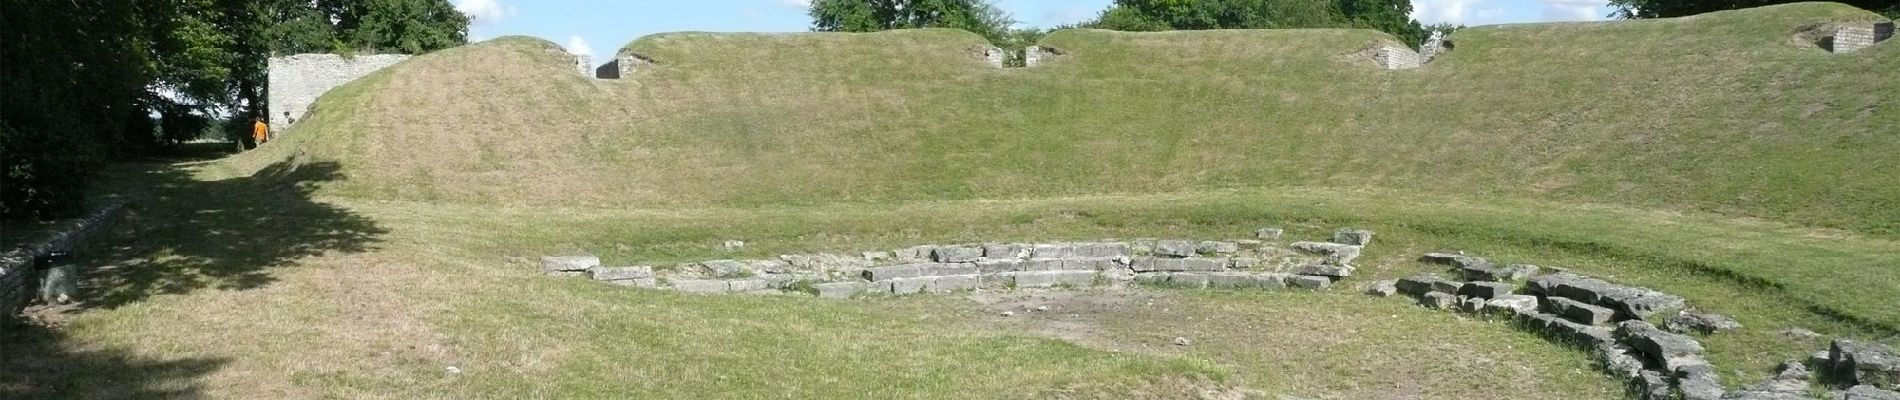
{"x": 1391, "y": 16}
{"x": 1638, "y": 9}
{"x": 983, "y": 18}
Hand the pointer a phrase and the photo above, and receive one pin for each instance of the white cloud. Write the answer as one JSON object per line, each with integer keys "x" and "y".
{"x": 1572, "y": 10}
{"x": 1453, "y": 11}
{"x": 483, "y": 11}
{"x": 797, "y": 3}
{"x": 577, "y": 45}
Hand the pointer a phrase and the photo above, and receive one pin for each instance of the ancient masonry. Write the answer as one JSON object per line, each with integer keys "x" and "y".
{"x": 623, "y": 65}
{"x": 1613, "y": 321}
{"x": 1254, "y": 263}
{"x": 1849, "y": 38}
{"x": 297, "y": 81}
{"x": 1393, "y": 57}
{"x": 21, "y": 279}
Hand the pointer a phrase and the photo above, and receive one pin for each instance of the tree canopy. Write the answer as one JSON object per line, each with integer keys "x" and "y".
{"x": 1391, "y": 16}
{"x": 980, "y": 17}
{"x": 85, "y": 77}
{"x": 1639, "y": 9}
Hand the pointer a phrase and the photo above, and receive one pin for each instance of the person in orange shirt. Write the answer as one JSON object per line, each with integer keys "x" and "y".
{"x": 259, "y": 131}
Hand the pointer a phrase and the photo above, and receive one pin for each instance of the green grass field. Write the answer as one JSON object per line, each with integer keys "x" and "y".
{"x": 383, "y": 247}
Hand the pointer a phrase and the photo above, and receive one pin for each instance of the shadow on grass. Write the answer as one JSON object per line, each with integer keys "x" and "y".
{"x": 180, "y": 235}
{"x": 39, "y": 365}
{"x": 186, "y": 234}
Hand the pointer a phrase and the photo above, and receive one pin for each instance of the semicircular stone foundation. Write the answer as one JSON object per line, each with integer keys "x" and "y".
{"x": 1639, "y": 334}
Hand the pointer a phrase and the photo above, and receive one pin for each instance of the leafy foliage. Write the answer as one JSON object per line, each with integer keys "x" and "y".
{"x": 983, "y": 18}
{"x": 1640, "y": 9}
{"x": 1391, "y": 16}
{"x": 86, "y": 77}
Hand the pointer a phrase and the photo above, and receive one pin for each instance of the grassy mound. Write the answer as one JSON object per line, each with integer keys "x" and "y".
{"x": 1723, "y": 112}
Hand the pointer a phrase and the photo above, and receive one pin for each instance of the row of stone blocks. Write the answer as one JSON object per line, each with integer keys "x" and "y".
{"x": 1855, "y": 37}
{"x": 1661, "y": 363}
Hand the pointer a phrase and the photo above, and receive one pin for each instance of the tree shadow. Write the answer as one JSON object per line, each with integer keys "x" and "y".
{"x": 186, "y": 234}
{"x": 39, "y": 364}
{"x": 179, "y": 235}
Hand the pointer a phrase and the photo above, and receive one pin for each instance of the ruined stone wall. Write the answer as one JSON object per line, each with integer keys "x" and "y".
{"x": 19, "y": 278}
{"x": 1393, "y": 57}
{"x": 624, "y": 65}
{"x": 297, "y": 81}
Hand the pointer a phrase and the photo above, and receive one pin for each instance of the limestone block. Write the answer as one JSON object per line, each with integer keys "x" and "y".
{"x": 569, "y": 263}
{"x": 1211, "y": 247}
{"x": 1005, "y": 251}
{"x": 903, "y": 286}
{"x": 996, "y": 266}
{"x": 1487, "y": 290}
{"x": 1421, "y": 284}
{"x": 1513, "y": 303}
{"x": 1203, "y": 264}
{"x": 1355, "y": 237}
{"x": 1699, "y": 382}
{"x": 1579, "y": 311}
{"x": 1269, "y": 233}
{"x": 1043, "y": 264}
{"x": 1052, "y": 250}
{"x": 748, "y": 285}
{"x": 620, "y": 273}
{"x": 1470, "y": 304}
{"x": 1175, "y": 248}
{"x": 723, "y": 268}
{"x": 1621, "y": 360}
{"x": 1232, "y": 280}
{"x": 1438, "y": 300}
{"x": 1383, "y": 288}
{"x": 947, "y": 284}
{"x": 1244, "y": 263}
{"x": 946, "y": 269}
{"x": 891, "y": 272}
{"x": 1188, "y": 280}
{"x": 950, "y": 254}
{"x": 1660, "y": 347}
{"x": 1326, "y": 270}
{"x": 1870, "y": 363}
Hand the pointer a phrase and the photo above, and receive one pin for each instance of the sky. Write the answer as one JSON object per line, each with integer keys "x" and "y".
{"x": 600, "y": 27}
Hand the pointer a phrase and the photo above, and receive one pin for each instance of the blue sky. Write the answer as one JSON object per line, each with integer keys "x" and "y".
{"x": 601, "y": 27}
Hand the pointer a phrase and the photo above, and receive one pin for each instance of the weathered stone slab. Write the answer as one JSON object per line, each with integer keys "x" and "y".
{"x": 748, "y": 285}
{"x": 723, "y": 268}
{"x": 1632, "y": 301}
{"x": 1654, "y": 385}
{"x": 1243, "y": 263}
{"x": 892, "y": 272}
{"x": 1326, "y": 270}
{"x": 569, "y": 263}
{"x": 1272, "y": 280}
{"x": 620, "y": 273}
{"x": 1696, "y": 322}
{"x": 1143, "y": 264}
{"x": 1470, "y": 304}
{"x": 1421, "y": 284}
{"x": 1309, "y": 282}
{"x": 1341, "y": 254}
{"x": 1106, "y": 250}
{"x": 947, "y": 284}
{"x": 1579, "y": 311}
{"x": 839, "y": 290}
{"x": 903, "y": 286}
{"x": 1049, "y": 250}
{"x": 1203, "y": 264}
{"x": 1699, "y": 382}
{"x": 1869, "y": 392}
{"x": 1438, "y": 300}
{"x": 946, "y": 269}
{"x": 1152, "y": 279}
{"x": 1089, "y": 264}
{"x": 1005, "y": 251}
{"x": 1175, "y": 248}
{"x": 701, "y": 286}
{"x": 1043, "y": 279}
{"x": 1383, "y": 288}
{"x": 1486, "y": 290}
{"x": 956, "y": 254}
{"x": 883, "y": 287}
{"x": 1514, "y": 303}
{"x": 1212, "y": 247}
{"x": 1044, "y": 264}
{"x": 997, "y": 266}
{"x": 1563, "y": 329}
{"x": 1269, "y": 233}
{"x": 1664, "y": 348}
{"x": 1356, "y": 237}
{"x": 1869, "y": 363}
{"x": 1620, "y": 360}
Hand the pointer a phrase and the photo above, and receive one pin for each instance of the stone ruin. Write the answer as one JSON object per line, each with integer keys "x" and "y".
{"x": 1252, "y": 263}
{"x": 1849, "y": 38}
{"x": 623, "y": 65}
{"x": 1613, "y": 321}
{"x": 1396, "y": 57}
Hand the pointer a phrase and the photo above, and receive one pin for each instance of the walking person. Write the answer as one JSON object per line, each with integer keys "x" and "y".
{"x": 260, "y": 131}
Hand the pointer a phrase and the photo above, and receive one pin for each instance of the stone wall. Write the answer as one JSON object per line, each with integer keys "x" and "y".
{"x": 1393, "y": 57}
{"x": 297, "y": 81}
{"x": 19, "y": 278}
{"x": 623, "y": 65}
{"x": 995, "y": 56}
{"x": 1850, "y": 38}
{"x": 1032, "y": 56}
{"x": 1434, "y": 46}
{"x": 584, "y": 64}
{"x": 1251, "y": 263}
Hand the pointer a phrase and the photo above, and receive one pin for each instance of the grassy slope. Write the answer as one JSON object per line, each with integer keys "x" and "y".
{"x": 1722, "y": 112}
